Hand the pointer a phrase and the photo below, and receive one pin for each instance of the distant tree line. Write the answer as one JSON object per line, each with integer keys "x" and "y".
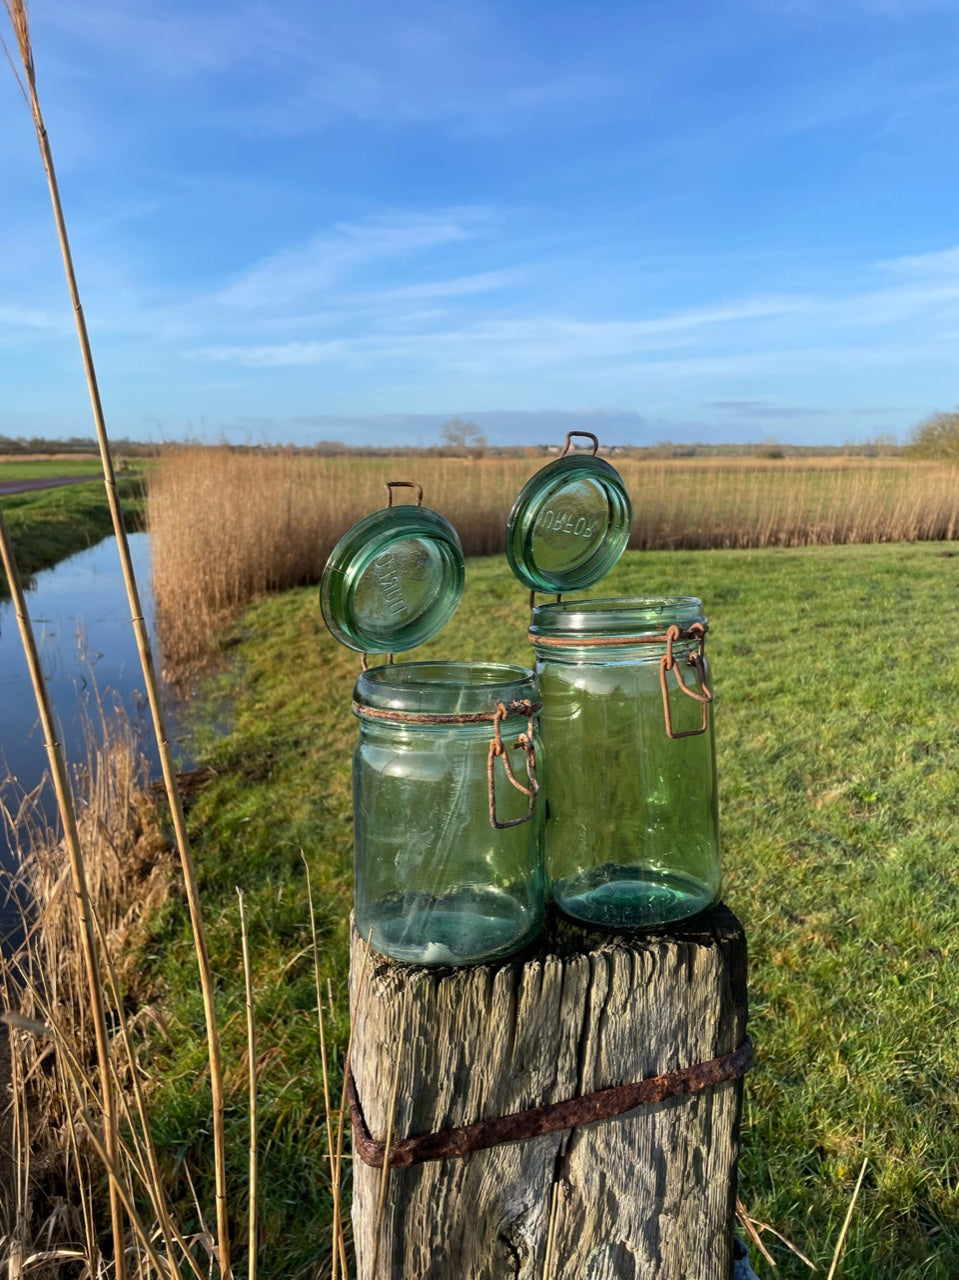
{"x": 936, "y": 437}
{"x": 20, "y": 445}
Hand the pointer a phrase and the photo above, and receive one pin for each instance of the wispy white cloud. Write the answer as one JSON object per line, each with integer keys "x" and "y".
{"x": 33, "y": 318}
{"x": 942, "y": 264}
{"x": 175, "y": 41}
{"x": 300, "y": 273}
{"x": 305, "y": 72}
{"x": 764, "y": 409}
{"x": 534, "y": 341}
{"x": 282, "y": 355}
{"x": 460, "y": 287}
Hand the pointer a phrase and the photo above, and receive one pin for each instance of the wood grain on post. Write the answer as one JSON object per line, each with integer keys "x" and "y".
{"x": 649, "y": 1195}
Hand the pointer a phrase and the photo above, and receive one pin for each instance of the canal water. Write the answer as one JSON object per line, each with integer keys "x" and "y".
{"x": 81, "y": 619}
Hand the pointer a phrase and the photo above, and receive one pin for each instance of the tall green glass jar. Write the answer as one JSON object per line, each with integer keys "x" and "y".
{"x": 632, "y": 836}
{"x": 448, "y": 830}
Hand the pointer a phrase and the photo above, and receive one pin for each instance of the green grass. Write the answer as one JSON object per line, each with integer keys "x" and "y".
{"x": 48, "y": 468}
{"x": 837, "y": 719}
{"x": 49, "y": 524}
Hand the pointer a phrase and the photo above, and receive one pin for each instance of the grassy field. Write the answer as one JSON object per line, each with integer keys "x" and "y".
{"x": 837, "y": 720}
{"x": 837, "y": 732}
{"x": 228, "y": 527}
{"x": 37, "y": 468}
{"x": 49, "y": 524}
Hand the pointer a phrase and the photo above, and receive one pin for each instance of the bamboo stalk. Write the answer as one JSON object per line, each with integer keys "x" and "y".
{"x": 64, "y": 795}
{"x": 17, "y": 12}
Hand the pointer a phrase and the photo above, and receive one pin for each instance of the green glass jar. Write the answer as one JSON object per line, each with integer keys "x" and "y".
{"x": 448, "y": 831}
{"x": 632, "y": 836}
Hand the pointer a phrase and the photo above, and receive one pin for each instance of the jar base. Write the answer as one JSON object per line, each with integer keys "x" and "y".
{"x": 631, "y": 897}
{"x": 467, "y": 927}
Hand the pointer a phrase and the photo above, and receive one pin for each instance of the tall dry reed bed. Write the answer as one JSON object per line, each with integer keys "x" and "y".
{"x": 228, "y": 526}
{"x": 53, "y": 1192}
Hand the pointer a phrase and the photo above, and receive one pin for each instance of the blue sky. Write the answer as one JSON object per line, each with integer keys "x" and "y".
{"x": 723, "y": 221}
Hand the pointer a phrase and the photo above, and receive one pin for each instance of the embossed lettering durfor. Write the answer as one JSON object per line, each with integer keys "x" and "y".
{"x": 566, "y": 522}
{"x": 390, "y": 584}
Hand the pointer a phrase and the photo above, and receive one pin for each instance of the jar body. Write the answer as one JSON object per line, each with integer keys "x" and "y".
{"x": 632, "y": 832}
{"x": 435, "y": 882}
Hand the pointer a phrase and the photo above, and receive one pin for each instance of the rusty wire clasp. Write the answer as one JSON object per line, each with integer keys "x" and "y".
{"x": 698, "y": 660}
{"x": 498, "y": 748}
{"x": 390, "y": 485}
{"x": 569, "y": 440}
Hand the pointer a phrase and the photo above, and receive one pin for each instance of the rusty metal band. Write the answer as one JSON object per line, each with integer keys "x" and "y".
{"x": 696, "y": 632}
{"x": 521, "y": 708}
{"x": 522, "y": 1125}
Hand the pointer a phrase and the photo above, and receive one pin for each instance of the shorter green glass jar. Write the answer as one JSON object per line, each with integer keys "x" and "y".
{"x": 632, "y": 833}
{"x": 448, "y": 831}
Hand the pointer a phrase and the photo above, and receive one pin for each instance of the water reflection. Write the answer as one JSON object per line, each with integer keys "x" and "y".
{"x": 81, "y": 620}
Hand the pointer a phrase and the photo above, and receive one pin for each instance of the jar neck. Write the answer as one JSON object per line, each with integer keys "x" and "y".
{"x": 629, "y": 621}
{"x": 444, "y": 693}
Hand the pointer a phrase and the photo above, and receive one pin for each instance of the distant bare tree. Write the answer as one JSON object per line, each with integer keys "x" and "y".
{"x": 462, "y": 436}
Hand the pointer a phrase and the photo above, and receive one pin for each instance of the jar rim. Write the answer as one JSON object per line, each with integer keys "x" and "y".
{"x": 444, "y": 688}
{"x": 625, "y": 616}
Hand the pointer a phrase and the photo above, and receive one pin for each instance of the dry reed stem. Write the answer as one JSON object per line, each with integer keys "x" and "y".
{"x": 18, "y": 17}
{"x": 251, "y": 1053}
{"x": 750, "y": 1227}
{"x": 334, "y": 1179}
{"x": 845, "y": 1226}
{"x": 65, "y": 803}
{"x": 149, "y": 1174}
{"x": 80, "y": 1086}
{"x": 753, "y": 1226}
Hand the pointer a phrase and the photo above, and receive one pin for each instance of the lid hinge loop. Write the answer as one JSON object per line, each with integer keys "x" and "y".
{"x": 588, "y": 435}
{"x": 390, "y": 485}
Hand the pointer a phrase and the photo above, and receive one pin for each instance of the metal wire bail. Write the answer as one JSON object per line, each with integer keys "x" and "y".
{"x": 498, "y": 748}
{"x": 587, "y": 434}
{"x": 390, "y": 485}
{"x": 698, "y": 660}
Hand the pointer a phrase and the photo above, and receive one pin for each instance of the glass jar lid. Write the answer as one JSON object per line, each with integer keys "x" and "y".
{"x": 570, "y": 523}
{"x": 394, "y": 580}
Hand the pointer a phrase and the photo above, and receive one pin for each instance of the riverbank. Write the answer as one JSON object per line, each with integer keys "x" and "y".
{"x": 836, "y": 751}
{"x": 47, "y": 525}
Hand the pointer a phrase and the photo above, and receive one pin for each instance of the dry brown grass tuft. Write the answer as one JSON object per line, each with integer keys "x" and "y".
{"x": 228, "y": 526}
{"x": 50, "y": 1198}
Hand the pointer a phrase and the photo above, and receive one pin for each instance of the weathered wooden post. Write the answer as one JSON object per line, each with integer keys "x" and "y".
{"x": 571, "y": 1109}
{"x": 572, "y": 1112}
